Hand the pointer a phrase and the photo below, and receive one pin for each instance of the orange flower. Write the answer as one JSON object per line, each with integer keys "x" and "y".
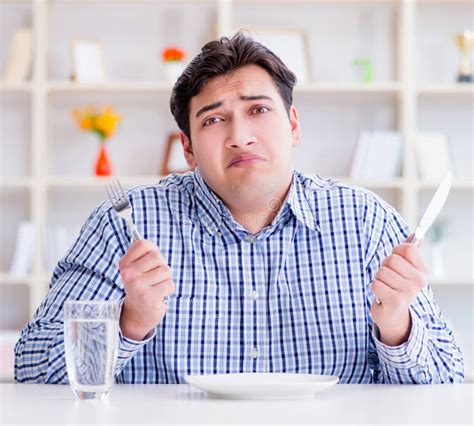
{"x": 83, "y": 117}
{"x": 173, "y": 54}
{"x": 103, "y": 124}
{"x": 106, "y": 123}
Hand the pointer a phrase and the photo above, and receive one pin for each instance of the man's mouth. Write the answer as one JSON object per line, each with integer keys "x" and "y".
{"x": 244, "y": 160}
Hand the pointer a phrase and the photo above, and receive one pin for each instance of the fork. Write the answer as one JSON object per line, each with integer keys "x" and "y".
{"x": 122, "y": 205}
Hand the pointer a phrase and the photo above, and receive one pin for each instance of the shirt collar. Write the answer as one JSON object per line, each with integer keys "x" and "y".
{"x": 299, "y": 204}
{"x": 209, "y": 207}
{"x": 211, "y": 210}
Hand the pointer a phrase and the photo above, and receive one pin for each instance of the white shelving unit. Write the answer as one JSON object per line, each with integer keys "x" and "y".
{"x": 394, "y": 101}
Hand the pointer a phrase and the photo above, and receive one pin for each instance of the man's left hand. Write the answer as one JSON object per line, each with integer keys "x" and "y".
{"x": 396, "y": 285}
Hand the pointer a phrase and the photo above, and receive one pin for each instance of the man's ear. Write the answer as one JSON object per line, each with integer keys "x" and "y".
{"x": 187, "y": 150}
{"x": 295, "y": 126}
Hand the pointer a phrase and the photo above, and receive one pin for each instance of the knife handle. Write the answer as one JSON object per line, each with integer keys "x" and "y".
{"x": 415, "y": 238}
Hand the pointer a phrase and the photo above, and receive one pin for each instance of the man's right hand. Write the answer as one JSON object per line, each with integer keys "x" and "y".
{"x": 147, "y": 280}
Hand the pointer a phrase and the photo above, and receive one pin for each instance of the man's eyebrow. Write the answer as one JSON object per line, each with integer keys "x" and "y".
{"x": 219, "y": 103}
{"x": 256, "y": 98}
{"x": 208, "y": 108}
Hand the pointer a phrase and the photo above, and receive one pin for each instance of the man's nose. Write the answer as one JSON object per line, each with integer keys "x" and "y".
{"x": 240, "y": 136}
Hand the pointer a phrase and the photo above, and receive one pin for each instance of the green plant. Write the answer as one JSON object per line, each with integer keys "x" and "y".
{"x": 437, "y": 231}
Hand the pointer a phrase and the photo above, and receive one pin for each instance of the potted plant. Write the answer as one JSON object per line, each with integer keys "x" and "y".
{"x": 103, "y": 124}
{"x": 173, "y": 63}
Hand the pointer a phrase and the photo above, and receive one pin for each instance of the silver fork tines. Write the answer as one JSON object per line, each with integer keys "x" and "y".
{"x": 121, "y": 204}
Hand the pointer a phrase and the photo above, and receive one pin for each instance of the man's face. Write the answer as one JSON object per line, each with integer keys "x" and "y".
{"x": 242, "y": 137}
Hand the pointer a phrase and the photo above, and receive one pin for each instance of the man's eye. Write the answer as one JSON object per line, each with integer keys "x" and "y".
{"x": 211, "y": 120}
{"x": 261, "y": 109}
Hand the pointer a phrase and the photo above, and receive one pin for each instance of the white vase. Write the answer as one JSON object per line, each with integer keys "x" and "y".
{"x": 172, "y": 70}
{"x": 437, "y": 262}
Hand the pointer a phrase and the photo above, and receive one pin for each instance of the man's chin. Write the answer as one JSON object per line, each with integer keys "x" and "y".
{"x": 253, "y": 181}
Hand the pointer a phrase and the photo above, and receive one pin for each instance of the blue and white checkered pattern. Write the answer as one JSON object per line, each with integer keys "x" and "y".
{"x": 294, "y": 298}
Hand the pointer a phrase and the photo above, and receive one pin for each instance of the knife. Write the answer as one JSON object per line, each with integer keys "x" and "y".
{"x": 432, "y": 211}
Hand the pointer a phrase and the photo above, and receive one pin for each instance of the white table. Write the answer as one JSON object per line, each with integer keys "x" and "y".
{"x": 162, "y": 404}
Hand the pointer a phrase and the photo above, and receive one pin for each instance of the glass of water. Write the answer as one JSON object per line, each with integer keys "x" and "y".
{"x": 91, "y": 344}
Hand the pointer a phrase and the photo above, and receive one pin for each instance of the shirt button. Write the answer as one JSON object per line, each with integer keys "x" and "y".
{"x": 219, "y": 234}
{"x": 254, "y": 353}
{"x": 250, "y": 239}
{"x": 254, "y": 295}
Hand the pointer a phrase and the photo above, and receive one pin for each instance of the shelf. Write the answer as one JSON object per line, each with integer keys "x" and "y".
{"x": 112, "y": 86}
{"x": 349, "y": 87}
{"x": 395, "y": 183}
{"x": 165, "y": 2}
{"x": 447, "y": 2}
{"x": 450, "y": 281}
{"x": 165, "y": 87}
{"x": 445, "y": 89}
{"x": 15, "y": 182}
{"x": 11, "y": 87}
{"x": 94, "y": 182}
{"x": 6, "y": 278}
{"x": 9, "y": 336}
{"x": 457, "y": 184}
{"x": 314, "y": 1}
{"x": 98, "y": 182}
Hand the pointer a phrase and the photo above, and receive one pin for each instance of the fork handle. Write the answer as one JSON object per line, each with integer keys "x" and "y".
{"x": 133, "y": 230}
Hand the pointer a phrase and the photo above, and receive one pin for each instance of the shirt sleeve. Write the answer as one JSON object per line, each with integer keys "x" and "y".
{"x": 430, "y": 355}
{"x": 89, "y": 271}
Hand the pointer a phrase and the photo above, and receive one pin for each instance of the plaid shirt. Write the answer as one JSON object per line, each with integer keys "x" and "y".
{"x": 294, "y": 298}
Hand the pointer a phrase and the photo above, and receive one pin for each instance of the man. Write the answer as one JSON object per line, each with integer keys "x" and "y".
{"x": 271, "y": 271}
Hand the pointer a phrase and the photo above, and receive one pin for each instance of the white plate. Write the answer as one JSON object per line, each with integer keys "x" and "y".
{"x": 262, "y": 385}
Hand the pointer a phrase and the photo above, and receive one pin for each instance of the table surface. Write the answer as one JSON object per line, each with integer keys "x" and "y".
{"x": 171, "y": 404}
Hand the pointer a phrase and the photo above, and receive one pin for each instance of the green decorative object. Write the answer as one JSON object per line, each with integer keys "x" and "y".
{"x": 437, "y": 231}
{"x": 366, "y": 65}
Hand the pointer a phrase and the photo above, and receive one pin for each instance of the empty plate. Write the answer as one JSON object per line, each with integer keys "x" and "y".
{"x": 261, "y": 385}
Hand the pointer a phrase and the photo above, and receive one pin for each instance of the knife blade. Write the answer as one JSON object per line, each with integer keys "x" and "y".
{"x": 432, "y": 211}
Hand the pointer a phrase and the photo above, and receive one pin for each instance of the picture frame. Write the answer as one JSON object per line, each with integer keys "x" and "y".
{"x": 173, "y": 157}
{"x": 290, "y": 45}
{"x": 88, "y": 61}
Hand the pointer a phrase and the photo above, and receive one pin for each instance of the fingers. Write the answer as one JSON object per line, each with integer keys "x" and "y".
{"x": 133, "y": 278}
{"x": 149, "y": 261}
{"x": 397, "y": 263}
{"x": 137, "y": 250}
{"x": 411, "y": 254}
{"x": 403, "y": 267}
{"x": 383, "y": 291}
{"x": 390, "y": 278}
{"x": 157, "y": 276}
{"x": 164, "y": 289}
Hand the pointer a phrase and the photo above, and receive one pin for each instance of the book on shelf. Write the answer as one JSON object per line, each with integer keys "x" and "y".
{"x": 433, "y": 155}
{"x": 378, "y": 155}
{"x": 19, "y": 58}
{"x": 23, "y": 252}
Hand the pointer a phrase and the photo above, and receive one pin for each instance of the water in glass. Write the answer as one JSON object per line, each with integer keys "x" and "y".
{"x": 91, "y": 346}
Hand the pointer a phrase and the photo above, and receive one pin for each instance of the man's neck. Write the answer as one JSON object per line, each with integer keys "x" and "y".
{"x": 256, "y": 216}
{"x": 255, "y": 221}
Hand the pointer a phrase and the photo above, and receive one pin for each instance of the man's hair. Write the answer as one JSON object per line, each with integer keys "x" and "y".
{"x": 222, "y": 57}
